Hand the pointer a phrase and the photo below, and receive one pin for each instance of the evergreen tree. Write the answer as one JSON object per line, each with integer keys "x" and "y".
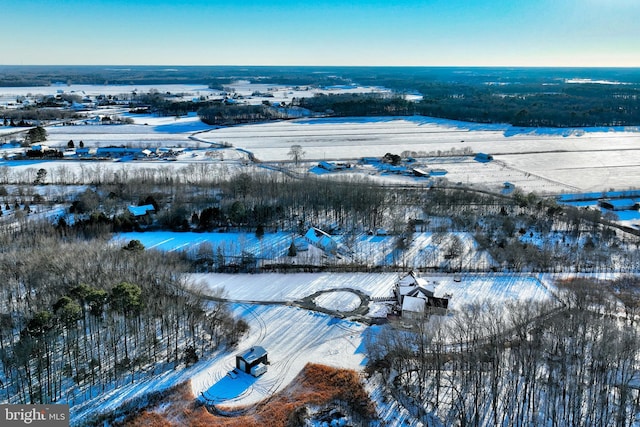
{"x": 293, "y": 251}
{"x": 36, "y": 134}
{"x": 260, "y": 231}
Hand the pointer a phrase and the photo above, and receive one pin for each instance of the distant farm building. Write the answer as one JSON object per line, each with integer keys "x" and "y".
{"x": 508, "y": 188}
{"x": 322, "y": 240}
{"x": 414, "y": 295}
{"x": 118, "y": 152}
{"x": 253, "y": 362}
{"x": 483, "y": 157}
{"x": 301, "y": 244}
{"x": 620, "y": 204}
{"x": 140, "y": 211}
{"x": 420, "y": 172}
{"x": 327, "y": 166}
{"x": 438, "y": 172}
{"x": 370, "y": 160}
{"x": 332, "y": 167}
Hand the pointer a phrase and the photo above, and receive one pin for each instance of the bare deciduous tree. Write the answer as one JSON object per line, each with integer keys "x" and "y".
{"x": 296, "y": 153}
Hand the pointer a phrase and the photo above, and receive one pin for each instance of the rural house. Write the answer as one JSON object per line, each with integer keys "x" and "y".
{"x": 253, "y": 362}
{"x": 414, "y": 294}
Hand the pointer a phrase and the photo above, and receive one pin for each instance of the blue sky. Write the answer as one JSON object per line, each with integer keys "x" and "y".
{"x": 322, "y": 32}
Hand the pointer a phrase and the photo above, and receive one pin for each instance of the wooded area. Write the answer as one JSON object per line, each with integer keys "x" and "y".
{"x": 82, "y": 316}
{"x": 541, "y": 364}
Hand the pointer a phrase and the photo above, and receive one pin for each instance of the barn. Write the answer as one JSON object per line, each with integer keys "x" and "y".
{"x": 254, "y": 361}
{"x": 140, "y": 211}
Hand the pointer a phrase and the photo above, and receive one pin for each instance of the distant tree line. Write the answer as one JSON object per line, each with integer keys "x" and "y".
{"x": 354, "y": 105}
{"x": 222, "y": 114}
{"x": 32, "y": 115}
{"x": 577, "y": 105}
{"x": 574, "y": 106}
{"x": 521, "y": 97}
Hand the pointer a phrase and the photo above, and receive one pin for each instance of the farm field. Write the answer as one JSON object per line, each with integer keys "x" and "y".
{"x": 544, "y": 160}
{"x": 551, "y": 160}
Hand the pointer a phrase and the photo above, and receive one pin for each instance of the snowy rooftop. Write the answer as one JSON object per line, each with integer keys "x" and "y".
{"x": 141, "y": 210}
{"x": 253, "y": 354}
{"x": 413, "y": 304}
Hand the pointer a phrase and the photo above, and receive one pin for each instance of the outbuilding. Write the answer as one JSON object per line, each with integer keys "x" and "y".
{"x": 619, "y": 204}
{"x": 254, "y": 361}
{"x": 483, "y": 157}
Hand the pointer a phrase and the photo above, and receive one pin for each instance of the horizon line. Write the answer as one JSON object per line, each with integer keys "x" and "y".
{"x": 326, "y": 65}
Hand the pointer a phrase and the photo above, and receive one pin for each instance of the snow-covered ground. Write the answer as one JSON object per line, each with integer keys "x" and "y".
{"x": 535, "y": 159}
{"x": 9, "y": 94}
{"x": 292, "y": 337}
{"x": 243, "y": 90}
{"x": 339, "y": 301}
{"x": 276, "y": 287}
{"x": 270, "y": 246}
{"x": 543, "y": 160}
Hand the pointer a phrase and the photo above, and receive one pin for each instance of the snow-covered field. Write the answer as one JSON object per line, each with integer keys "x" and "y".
{"x": 542, "y": 159}
{"x": 276, "y": 287}
{"x": 270, "y": 246}
{"x": 294, "y": 337}
{"x": 533, "y": 159}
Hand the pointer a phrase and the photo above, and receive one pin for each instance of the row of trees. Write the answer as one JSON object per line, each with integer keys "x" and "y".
{"x": 517, "y": 365}
{"x": 356, "y": 105}
{"x": 521, "y": 232}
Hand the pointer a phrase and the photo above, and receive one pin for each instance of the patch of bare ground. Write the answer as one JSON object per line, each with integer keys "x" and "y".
{"x": 319, "y": 392}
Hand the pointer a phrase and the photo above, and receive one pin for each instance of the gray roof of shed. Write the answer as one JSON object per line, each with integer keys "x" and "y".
{"x": 253, "y": 354}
